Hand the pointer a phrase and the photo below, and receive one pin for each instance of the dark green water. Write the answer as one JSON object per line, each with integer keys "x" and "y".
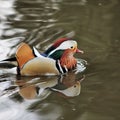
{"x": 95, "y": 24}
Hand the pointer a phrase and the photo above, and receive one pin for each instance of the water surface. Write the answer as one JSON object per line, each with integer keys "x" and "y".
{"x": 95, "y": 26}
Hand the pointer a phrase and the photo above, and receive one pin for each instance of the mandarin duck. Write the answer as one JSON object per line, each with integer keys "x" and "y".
{"x": 57, "y": 59}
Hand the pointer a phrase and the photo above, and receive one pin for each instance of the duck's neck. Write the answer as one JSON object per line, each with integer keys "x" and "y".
{"x": 68, "y": 60}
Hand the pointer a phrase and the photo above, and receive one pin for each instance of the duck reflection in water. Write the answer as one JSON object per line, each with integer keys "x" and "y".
{"x": 40, "y": 88}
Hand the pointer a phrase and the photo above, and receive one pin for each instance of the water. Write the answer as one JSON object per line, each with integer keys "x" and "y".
{"x": 95, "y": 26}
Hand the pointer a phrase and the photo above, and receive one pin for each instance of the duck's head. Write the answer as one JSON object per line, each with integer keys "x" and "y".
{"x": 60, "y": 46}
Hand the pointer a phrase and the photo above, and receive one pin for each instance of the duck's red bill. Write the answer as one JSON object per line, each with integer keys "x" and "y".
{"x": 79, "y": 51}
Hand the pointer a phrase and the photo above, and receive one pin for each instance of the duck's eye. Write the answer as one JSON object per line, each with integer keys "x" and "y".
{"x": 71, "y": 47}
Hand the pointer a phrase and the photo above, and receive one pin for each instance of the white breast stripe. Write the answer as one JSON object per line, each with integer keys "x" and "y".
{"x": 60, "y": 67}
{"x": 65, "y": 68}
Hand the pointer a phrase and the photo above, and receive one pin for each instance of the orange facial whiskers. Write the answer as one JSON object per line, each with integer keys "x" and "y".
{"x": 67, "y": 60}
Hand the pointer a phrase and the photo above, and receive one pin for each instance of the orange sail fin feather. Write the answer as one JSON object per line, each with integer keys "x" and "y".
{"x": 24, "y": 54}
